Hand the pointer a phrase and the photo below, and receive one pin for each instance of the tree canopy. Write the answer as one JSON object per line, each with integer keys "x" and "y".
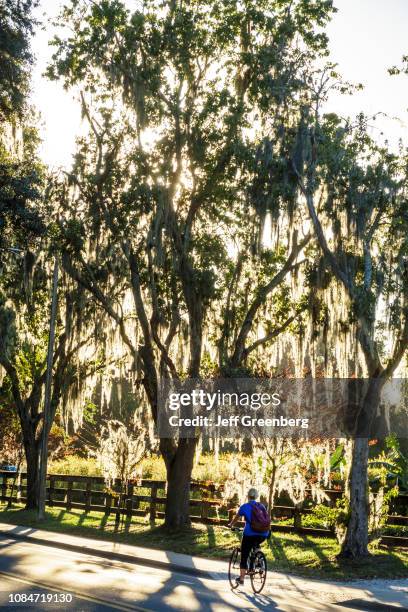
{"x": 215, "y": 221}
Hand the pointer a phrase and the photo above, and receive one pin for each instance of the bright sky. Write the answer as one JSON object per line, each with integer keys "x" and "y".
{"x": 366, "y": 38}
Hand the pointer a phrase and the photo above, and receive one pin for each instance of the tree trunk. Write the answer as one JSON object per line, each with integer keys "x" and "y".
{"x": 179, "y": 470}
{"x": 32, "y": 453}
{"x": 355, "y": 544}
{"x": 271, "y": 496}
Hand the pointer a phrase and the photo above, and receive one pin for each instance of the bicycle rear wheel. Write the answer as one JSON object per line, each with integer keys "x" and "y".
{"x": 258, "y": 572}
{"x": 233, "y": 568}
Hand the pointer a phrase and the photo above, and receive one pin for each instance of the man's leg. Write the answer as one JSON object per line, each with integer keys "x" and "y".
{"x": 246, "y": 545}
{"x": 257, "y": 541}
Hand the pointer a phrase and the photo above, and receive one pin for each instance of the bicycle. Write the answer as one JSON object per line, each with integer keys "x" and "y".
{"x": 257, "y": 567}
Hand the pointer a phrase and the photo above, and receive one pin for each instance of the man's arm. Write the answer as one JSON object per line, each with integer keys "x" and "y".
{"x": 235, "y": 520}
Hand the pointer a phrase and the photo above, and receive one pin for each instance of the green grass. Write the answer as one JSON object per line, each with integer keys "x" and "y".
{"x": 291, "y": 553}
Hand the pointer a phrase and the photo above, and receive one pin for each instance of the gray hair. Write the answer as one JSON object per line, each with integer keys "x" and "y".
{"x": 253, "y": 493}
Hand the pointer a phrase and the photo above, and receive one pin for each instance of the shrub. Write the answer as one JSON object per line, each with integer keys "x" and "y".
{"x": 75, "y": 466}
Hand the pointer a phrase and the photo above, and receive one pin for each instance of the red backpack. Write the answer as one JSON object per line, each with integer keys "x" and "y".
{"x": 260, "y": 519}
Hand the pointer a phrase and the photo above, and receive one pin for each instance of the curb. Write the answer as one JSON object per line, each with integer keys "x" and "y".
{"x": 134, "y": 560}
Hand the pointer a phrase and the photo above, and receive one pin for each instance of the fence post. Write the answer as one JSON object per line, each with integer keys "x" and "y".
{"x": 4, "y": 487}
{"x": 108, "y": 503}
{"x": 6, "y": 479}
{"x": 129, "y": 500}
{"x": 153, "y": 496}
{"x": 297, "y": 517}
{"x": 51, "y": 490}
{"x": 18, "y": 494}
{"x": 205, "y": 506}
{"x": 68, "y": 496}
{"x": 88, "y": 495}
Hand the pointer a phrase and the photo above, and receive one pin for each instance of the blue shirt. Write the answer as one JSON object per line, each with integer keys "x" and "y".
{"x": 246, "y": 511}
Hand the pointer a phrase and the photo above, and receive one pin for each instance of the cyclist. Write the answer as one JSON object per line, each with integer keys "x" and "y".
{"x": 251, "y": 537}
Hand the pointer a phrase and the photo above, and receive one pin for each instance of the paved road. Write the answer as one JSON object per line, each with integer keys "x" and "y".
{"x": 49, "y": 574}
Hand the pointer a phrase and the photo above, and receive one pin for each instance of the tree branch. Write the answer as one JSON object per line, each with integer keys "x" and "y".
{"x": 261, "y": 297}
{"x": 12, "y": 373}
{"x": 339, "y": 273}
{"x": 274, "y": 334}
{"x": 399, "y": 349}
{"x": 91, "y": 286}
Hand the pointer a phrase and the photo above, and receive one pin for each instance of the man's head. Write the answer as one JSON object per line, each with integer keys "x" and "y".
{"x": 252, "y": 494}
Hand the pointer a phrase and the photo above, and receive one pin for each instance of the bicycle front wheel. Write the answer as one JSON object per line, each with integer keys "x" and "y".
{"x": 233, "y": 568}
{"x": 259, "y": 571}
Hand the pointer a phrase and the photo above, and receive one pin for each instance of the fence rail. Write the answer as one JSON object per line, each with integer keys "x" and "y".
{"x": 147, "y": 498}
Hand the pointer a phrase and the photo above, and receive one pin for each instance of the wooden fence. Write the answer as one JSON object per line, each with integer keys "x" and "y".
{"x": 146, "y": 498}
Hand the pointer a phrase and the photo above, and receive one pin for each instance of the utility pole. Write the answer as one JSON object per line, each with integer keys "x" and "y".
{"x": 42, "y": 481}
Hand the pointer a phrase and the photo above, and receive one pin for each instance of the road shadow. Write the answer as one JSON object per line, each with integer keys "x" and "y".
{"x": 370, "y": 606}
{"x": 275, "y": 545}
{"x": 173, "y": 589}
{"x": 18, "y": 531}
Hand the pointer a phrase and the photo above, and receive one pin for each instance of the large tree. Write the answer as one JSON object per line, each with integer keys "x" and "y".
{"x": 356, "y": 194}
{"x": 27, "y": 245}
{"x": 177, "y": 96}
{"x": 20, "y": 173}
{"x": 24, "y": 329}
